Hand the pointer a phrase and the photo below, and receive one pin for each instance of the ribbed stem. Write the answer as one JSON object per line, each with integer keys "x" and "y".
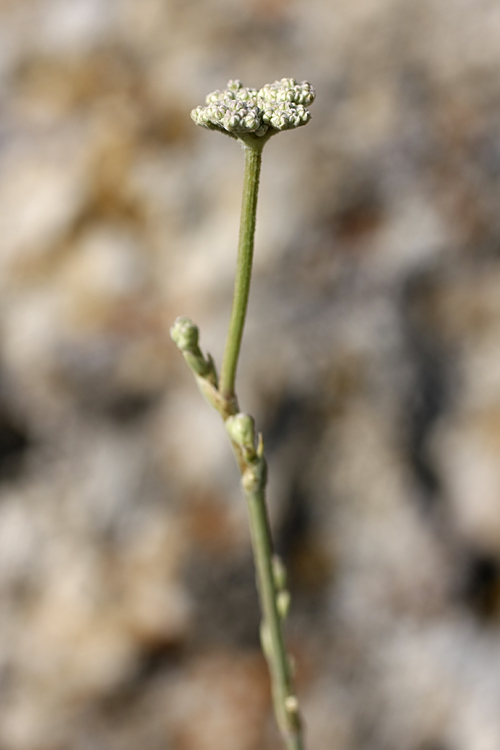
{"x": 277, "y": 658}
{"x": 253, "y": 159}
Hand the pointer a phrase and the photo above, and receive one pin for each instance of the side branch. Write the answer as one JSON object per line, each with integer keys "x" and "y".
{"x": 271, "y": 578}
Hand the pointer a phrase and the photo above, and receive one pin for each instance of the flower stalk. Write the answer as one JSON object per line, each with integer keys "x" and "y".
{"x": 253, "y": 161}
{"x": 252, "y": 117}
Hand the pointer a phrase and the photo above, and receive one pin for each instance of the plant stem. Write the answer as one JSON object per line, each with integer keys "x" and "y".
{"x": 253, "y": 159}
{"x": 279, "y": 665}
{"x": 221, "y": 395}
{"x": 277, "y": 658}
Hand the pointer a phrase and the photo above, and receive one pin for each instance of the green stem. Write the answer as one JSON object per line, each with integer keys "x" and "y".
{"x": 284, "y": 701}
{"x": 253, "y": 159}
{"x": 279, "y": 665}
{"x": 221, "y": 395}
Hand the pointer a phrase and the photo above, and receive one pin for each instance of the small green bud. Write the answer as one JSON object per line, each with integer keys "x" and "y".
{"x": 283, "y": 601}
{"x": 241, "y": 429}
{"x": 279, "y": 573}
{"x": 292, "y": 705}
{"x": 185, "y": 334}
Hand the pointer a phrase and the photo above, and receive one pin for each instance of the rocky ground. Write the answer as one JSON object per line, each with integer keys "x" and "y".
{"x": 372, "y": 364}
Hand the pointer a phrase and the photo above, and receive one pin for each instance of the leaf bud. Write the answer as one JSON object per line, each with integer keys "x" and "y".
{"x": 241, "y": 429}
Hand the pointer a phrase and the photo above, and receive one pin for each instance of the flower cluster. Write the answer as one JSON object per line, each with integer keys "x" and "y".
{"x": 239, "y": 110}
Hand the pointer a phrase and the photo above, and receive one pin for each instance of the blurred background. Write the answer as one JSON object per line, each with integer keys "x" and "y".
{"x": 371, "y": 361}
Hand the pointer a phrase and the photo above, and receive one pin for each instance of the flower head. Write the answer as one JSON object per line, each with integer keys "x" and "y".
{"x": 239, "y": 111}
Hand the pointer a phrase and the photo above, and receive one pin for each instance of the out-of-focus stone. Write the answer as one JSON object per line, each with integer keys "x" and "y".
{"x": 468, "y": 449}
{"x": 42, "y": 191}
{"x": 222, "y": 700}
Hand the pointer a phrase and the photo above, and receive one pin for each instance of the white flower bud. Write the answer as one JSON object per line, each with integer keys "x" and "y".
{"x": 235, "y": 85}
{"x": 215, "y": 96}
{"x": 241, "y": 111}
